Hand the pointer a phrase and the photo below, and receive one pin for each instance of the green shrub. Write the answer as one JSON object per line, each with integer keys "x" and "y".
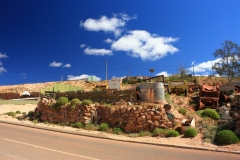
{"x": 182, "y": 111}
{"x": 74, "y": 102}
{"x": 18, "y": 112}
{"x": 77, "y": 125}
{"x": 159, "y": 132}
{"x": 103, "y": 127}
{"x": 144, "y": 133}
{"x": 12, "y": 114}
{"x": 199, "y": 112}
{"x": 190, "y": 132}
{"x": 172, "y": 133}
{"x": 86, "y": 102}
{"x": 23, "y": 112}
{"x": 117, "y": 131}
{"x": 30, "y": 113}
{"x": 60, "y": 102}
{"x": 91, "y": 127}
{"x": 226, "y": 137}
{"x": 211, "y": 113}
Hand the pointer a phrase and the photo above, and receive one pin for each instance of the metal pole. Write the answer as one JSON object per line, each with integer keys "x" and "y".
{"x": 106, "y": 70}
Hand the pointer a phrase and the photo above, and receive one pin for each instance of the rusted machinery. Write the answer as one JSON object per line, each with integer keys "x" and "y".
{"x": 209, "y": 96}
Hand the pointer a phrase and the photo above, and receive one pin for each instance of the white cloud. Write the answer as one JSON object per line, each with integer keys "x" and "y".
{"x": 163, "y": 73}
{"x": 2, "y": 70}
{"x": 82, "y": 45}
{"x": 108, "y": 40}
{"x": 23, "y": 75}
{"x": 140, "y": 43}
{"x": 99, "y": 52}
{"x": 67, "y": 65}
{"x": 203, "y": 67}
{"x": 112, "y": 25}
{"x": 3, "y": 55}
{"x": 55, "y": 64}
{"x": 83, "y": 76}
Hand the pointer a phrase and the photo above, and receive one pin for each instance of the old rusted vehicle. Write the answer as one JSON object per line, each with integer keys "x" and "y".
{"x": 178, "y": 87}
{"x": 209, "y": 96}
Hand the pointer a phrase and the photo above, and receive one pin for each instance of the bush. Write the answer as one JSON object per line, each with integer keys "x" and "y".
{"x": 86, "y": 102}
{"x": 12, "y": 114}
{"x": 77, "y": 125}
{"x": 190, "y": 132}
{"x": 60, "y": 102}
{"x": 159, "y": 132}
{"x": 211, "y": 113}
{"x": 182, "y": 111}
{"x": 144, "y": 133}
{"x": 103, "y": 127}
{"x": 172, "y": 133}
{"x": 226, "y": 137}
{"x": 18, "y": 112}
{"x": 91, "y": 127}
{"x": 117, "y": 131}
{"x": 74, "y": 102}
{"x": 30, "y": 113}
{"x": 199, "y": 112}
{"x": 23, "y": 112}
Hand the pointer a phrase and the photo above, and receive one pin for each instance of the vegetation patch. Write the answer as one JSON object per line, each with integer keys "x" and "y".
{"x": 91, "y": 127}
{"x": 117, "y": 131}
{"x": 226, "y": 137}
{"x": 145, "y": 134}
{"x": 86, "y": 102}
{"x": 12, "y": 114}
{"x": 211, "y": 113}
{"x": 77, "y": 125}
{"x": 182, "y": 111}
{"x": 191, "y": 132}
{"x": 18, "y": 112}
{"x": 103, "y": 127}
{"x": 172, "y": 133}
{"x": 74, "y": 102}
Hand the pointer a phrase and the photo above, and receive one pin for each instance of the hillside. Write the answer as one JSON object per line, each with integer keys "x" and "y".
{"x": 36, "y": 87}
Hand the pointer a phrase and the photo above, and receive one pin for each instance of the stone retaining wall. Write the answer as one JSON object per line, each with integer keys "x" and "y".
{"x": 132, "y": 118}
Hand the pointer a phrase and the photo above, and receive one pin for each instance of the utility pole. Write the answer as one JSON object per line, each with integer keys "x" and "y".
{"x": 128, "y": 71}
{"x": 106, "y": 69}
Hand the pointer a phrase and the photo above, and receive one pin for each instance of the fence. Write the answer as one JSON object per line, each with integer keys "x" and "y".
{"x": 18, "y": 102}
{"x": 102, "y": 96}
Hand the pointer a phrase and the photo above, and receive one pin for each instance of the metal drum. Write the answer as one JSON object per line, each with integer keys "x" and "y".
{"x": 152, "y": 92}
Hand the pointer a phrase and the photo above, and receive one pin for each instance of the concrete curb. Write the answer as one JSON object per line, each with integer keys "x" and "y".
{"x": 115, "y": 139}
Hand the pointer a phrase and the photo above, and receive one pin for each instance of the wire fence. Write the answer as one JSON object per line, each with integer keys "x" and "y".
{"x": 18, "y": 102}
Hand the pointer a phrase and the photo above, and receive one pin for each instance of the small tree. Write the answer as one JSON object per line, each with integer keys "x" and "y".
{"x": 151, "y": 70}
{"x": 228, "y": 63}
{"x": 183, "y": 72}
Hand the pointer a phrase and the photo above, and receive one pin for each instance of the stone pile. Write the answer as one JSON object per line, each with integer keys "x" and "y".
{"x": 132, "y": 118}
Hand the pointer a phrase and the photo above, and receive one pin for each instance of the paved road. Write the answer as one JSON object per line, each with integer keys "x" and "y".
{"x": 23, "y": 143}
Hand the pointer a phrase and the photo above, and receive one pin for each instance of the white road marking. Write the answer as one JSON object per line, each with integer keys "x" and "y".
{"x": 50, "y": 149}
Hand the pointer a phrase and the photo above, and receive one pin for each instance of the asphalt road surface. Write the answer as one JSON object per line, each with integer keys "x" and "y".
{"x": 23, "y": 143}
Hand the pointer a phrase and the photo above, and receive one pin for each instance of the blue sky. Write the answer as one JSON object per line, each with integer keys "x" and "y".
{"x": 51, "y": 40}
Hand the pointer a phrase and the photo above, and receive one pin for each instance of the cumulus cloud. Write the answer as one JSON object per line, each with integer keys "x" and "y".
{"x": 55, "y": 64}
{"x": 82, "y": 45}
{"x": 3, "y": 55}
{"x": 140, "y": 43}
{"x": 83, "y": 76}
{"x": 98, "y": 52}
{"x": 112, "y": 25}
{"x": 204, "y": 67}
{"x": 2, "y": 70}
{"x": 108, "y": 40}
{"x": 163, "y": 73}
{"x": 67, "y": 65}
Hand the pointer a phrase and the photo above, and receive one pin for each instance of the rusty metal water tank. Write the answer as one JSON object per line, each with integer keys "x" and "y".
{"x": 152, "y": 92}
